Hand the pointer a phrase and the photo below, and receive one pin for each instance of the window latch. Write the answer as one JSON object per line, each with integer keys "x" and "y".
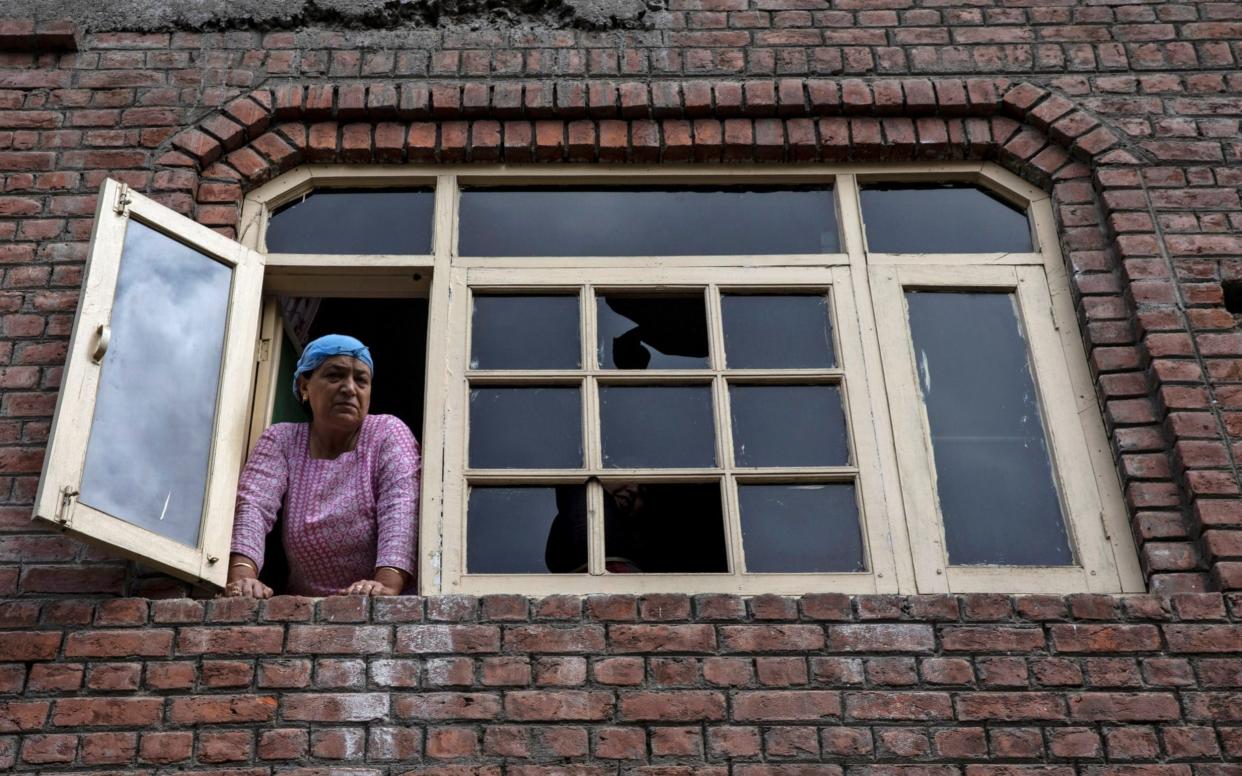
{"x": 122, "y": 199}
{"x": 65, "y": 511}
{"x": 263, "y": 350}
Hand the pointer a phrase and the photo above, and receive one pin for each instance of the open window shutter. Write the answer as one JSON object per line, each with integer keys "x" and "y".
{"x": 149, "y": 432}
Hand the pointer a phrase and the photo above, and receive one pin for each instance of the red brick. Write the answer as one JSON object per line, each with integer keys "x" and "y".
{"x": 1105, "y": 638}
{"x": 1123, "y": 707}
{"x": 166, "y": 748}
{"x": 558, "y": 705}
{"x": 880, "y": 638}
{"x": 447, "y": 706}
{"x": 898, "y": 706}
{"x": 251, "y": 640}
{"x": 107, "y": 712}
{"x": 29, "y": 645}
{"x": 49, "y": 749}
{"x": 792, "y": 705}
{"x": 108, "y": 748}
{"x": 1010, "y": 706}
{"x": 550, "y": 638}
{"x": 221, "y": 709}
{"x": 680, "y": 706}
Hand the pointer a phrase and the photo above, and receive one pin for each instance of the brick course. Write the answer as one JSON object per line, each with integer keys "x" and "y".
{"x": 1021, "y": 689}
{"x": 1127, "y": 114}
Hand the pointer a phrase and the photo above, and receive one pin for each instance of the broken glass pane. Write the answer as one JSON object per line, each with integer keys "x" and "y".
{"x": 934, "y": 218}
{"x": 657, "y": 426}
{"x": 663, "y": 528}
{"x": 768, "y": 331}
{"x": 525, "y": 428}
{"x": 525, "y": 332}
{"x": 800, "y": 528}
{"x": 155, "y": 411}
{"x": 652, "y": 332}
{"x": 788, "y": 425}
{"x": 664, "y": 221}
{"x": 354, "y": 221}
{"x": 526, "y": 530}
{"x": 993, "y": 471}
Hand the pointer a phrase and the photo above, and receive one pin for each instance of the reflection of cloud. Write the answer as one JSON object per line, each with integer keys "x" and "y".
{"x": 152, "y": 431}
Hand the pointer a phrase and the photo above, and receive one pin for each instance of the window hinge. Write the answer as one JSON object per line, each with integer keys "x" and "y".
{"x": 122, "y": 199}
{"x": 65, "y": 511}
{"x": 263, "y": 350}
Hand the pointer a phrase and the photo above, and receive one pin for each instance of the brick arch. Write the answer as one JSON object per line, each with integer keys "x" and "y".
{"x": 1137, "y": 327}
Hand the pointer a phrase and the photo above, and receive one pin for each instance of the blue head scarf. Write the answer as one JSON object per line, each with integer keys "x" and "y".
{"x": 327, "y": 346}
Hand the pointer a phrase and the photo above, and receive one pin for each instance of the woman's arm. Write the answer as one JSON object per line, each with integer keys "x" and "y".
{"x": 260, "y": 492}
{"x": 396, "y": 482}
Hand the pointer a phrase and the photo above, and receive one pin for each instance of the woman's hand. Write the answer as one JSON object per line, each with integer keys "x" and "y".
{"x": 247, "y": 587}
{"x": 369, "y": 587}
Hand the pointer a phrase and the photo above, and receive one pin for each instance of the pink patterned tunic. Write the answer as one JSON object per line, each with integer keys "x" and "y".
{"x": 342, "y": 517}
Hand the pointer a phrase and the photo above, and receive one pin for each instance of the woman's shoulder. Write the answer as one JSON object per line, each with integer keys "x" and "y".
{"x": 282, "y": 434}
{"x": 385, "y": 425}
{"x": 387, "y": 429}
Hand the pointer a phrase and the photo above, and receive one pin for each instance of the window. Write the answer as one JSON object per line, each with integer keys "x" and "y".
{"x": 856, "y": 379}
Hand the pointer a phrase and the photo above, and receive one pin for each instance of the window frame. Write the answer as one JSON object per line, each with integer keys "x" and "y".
{"x": 872, "y": 347}
{"x": 913, "y": 563}
{"x": 65, "y": 459}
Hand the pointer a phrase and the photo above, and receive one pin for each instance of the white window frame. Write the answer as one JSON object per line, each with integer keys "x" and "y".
{"x": 902, "y": 536}
{"x": 56, "y": 502}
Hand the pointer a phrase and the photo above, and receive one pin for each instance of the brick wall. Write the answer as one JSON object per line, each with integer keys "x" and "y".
{"x": 1127, "y": 113}
{"x": 664, "y": 685}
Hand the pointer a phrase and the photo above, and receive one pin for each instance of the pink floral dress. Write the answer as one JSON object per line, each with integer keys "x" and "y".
{"x": 342, "y": 517}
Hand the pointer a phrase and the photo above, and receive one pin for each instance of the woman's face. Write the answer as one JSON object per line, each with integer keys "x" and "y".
{"x": 339, "y": 392}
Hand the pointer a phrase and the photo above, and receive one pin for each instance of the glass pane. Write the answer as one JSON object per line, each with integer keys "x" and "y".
{"x": 354, "y": 221}
{"x": 788, "y": 425}
{"x": 800, "y": 528}
{"x": 663, "y": 528}
{"x": 151, "y": 437}
{"x": 657, "y": 426}
{"x": 525, "y": 332}
{"x": 906, "y": 218}
{"x": 525, "y": 428}
{"x": 652, "y": 332}
{"x": 777, "y": 332}
{"x": 666, "y": 221}
{"x": 533, "y": 530}
{"x": 994, "y": 476}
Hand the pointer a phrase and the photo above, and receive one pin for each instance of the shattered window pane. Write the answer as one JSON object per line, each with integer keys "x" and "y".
{"x": 652, "y": 332}
{"x": 663, "y": 528}
{"x": 526, "y": 530}
{"x": 354, "y": 221}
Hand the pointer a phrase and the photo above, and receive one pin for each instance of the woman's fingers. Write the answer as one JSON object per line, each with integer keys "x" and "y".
{"x": 365, "y": 587}
{"x": 247, "y": 588}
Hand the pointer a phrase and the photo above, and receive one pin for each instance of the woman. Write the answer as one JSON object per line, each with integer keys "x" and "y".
{"x": 347, "y": 484}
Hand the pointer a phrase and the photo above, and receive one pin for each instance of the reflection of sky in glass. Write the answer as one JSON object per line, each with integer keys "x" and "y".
{"x": 146, "y": 462}
{"x": 994, "y": 475}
